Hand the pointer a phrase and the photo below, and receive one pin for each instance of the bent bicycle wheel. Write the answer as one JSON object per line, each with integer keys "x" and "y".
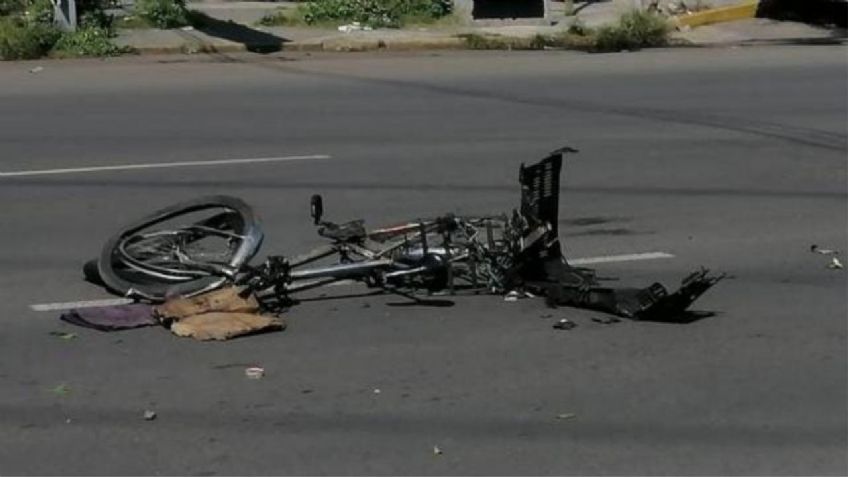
{"x": 182, "y": 250}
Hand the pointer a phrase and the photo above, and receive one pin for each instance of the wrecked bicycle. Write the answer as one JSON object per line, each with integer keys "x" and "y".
{"x": 207, "y": 243}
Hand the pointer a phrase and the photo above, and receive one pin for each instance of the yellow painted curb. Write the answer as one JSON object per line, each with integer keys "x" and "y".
{"x": 741, "y": 11}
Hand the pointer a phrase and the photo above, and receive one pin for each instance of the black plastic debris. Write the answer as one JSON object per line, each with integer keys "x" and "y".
{"x": 565, "y": 324}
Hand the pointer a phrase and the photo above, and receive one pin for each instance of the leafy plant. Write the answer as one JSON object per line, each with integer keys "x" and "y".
{"x": 87, "y": 41}
{"x": 20, "y": 40}
{"x": 163, "y": 13}
{"x": 11, "y": 7}
{"x": 374, "y": 13}
{"x": 634, "y": 30}
{"x": 39, "y": 11}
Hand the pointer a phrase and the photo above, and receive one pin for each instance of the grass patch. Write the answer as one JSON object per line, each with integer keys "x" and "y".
{"x": 633, "y": 31}
{"x": 87, "y": 41}
{"x": 567, "y": 41}
{"x": 133, "y": 22}
{"x": 20, "y": 40}
{"x": 162, "y": 13}
{"x": 374, "y": 13}
{"x": 283, "y": 17}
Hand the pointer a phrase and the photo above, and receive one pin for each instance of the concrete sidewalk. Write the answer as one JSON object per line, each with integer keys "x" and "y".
{"x": 233, "y": 29}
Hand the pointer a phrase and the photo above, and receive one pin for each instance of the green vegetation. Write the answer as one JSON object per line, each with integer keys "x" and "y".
{"x": 373, "y": 13}
{"x": 568, "y": 41}
{"x": 163, "y": 13}
{"x": 27, "y": 31}
{"x": 283, "y": 17}
{"x": 87, "y": 41}
{"x": 634, "y": 30}
{"x": 20, "y": 40}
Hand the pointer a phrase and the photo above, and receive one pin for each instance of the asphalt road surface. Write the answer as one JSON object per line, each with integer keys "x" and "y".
{"x": 734, "y": 159}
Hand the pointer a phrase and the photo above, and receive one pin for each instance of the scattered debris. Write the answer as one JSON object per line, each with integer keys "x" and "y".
{"x": 835, "y": 264}
{"x": 516, "y": 295}
{"x": 254, "y": 372}
{"x": 566, "y": 415}
{"x": 36, "y": 70}
{"x": 823, "y": 251}
{"x": 605, "y": 320}
{"x": 518, "y": 256}
{"x": 149, "y": 415}
{"x": 63, "y": 335}
{"x": 354, "y": 26}
{"x": 564, "y": 324}
{"x": 216, "y": 315}
{"x": 437, "y": 450}
{"x": 111, "y": 318}
{"x": 61, "y": 390}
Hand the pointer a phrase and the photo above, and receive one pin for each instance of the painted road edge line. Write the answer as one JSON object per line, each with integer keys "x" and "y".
{"x": 630, "y": 257}
{"x": 81, "y": 304}
{"x": 161, "y": 165}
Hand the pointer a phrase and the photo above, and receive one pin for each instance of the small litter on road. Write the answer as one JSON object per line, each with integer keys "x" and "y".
{"x": 216, "y": 315}
{"x": 565, "y": 324}
{"x": 377, "y": 391}
{"x": 605, "y": 320}
{"x": 254, "y": 372}
{"x": 111, "y": 318}
{"x": 566, "y": 415}
{"x": 823, "y": 251}
{"x": 437, "y": 450}
{"x": 835, "y": 264}
{"x": 61, "y": 390}
{"x": 354, "y": 26}
{"x": 516, "y": 295}
{"x": 63, "y": 335}
{"x": 149, "y": 415}
{"x": 187, "y": 28}
{"x": 36, "y": 70}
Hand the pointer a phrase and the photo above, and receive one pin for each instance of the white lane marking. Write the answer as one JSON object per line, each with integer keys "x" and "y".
{"x": 80, "y": 304}
{"x": 629, "y": 257}
{"x": 577, "y": 261}
{"x": 161, "y": 165}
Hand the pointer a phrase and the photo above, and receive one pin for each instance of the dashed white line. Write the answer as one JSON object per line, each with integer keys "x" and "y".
{"x": 577, "y": 261}
{"x": 160, "y": 165}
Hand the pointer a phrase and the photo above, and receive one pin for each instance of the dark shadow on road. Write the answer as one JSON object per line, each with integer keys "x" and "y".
{"x": 254, "y": 40}
{"x": 424, "y": 302}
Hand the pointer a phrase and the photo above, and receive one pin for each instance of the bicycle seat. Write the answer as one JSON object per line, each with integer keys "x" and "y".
{"x": 352, "y": 231}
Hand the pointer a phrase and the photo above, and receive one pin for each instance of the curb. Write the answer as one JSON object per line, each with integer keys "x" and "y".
{"x": 741, "y": 11}
{"x": 330, "y": 45}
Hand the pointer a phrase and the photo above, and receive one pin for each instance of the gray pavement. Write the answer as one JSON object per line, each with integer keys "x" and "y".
{"x": 729, "y": 158}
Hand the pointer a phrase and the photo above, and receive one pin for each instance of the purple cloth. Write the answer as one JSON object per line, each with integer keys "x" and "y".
{"x": 112, "y": 318}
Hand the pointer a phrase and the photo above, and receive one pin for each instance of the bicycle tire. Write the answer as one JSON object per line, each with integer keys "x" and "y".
{"x": 136, "y": 280}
